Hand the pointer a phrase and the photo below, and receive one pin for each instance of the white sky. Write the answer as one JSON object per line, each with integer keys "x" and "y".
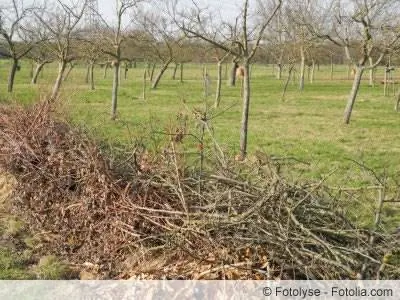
{"x": 228, "y": 8}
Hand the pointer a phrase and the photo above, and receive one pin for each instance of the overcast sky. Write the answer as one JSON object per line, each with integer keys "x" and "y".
{"x": 228, "y": 8}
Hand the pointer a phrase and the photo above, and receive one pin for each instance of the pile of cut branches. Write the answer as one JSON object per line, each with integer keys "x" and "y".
{"x": 167, "y": 222}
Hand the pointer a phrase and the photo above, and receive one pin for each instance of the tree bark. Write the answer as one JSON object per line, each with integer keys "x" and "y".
{"x": 56, "y": 88}
{"x": 302, "y": 69}
{"x": 279, "y": 73}
{"x": 219, "y": 84}
{"x": 287, "y": 83}
{"x": 371, "y": 73}
{"x": 126, "y": 71}
{"x": 105, "y": 70}
{"x": 87, "y": 77}
{"x": 181, "y": 75}
{"x": 114, "y": 96}
{"x": 153, "y": 68}
{"x": 245, "y": 113}
{"x": 174, "y": 71}
{"x": 396, "y": 107}
{"x": 160, "y": 74}
{"x": 144, "y": 84}
{"x": 91, "y": 76}
{"x": 312, "y": 72}
{"x": 38, "y": 69}
{"x": 353, "y": 94}
{"x": 71, "y": 66}
{"x": 232, "y": 79}
{"x": 385, "y": 81}
{"x": 11, "y": 76}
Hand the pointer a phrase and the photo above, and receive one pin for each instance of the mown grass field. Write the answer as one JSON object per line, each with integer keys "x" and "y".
{"x": 307, "y": 126}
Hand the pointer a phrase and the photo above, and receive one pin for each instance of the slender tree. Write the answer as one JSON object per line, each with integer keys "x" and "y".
{"x": 110, "y": 39}
{"x": 243, "y": 45}
{"x": 367, "y": 31}
{"x": 61, "y": 21}
{"x": 17, "y": 34}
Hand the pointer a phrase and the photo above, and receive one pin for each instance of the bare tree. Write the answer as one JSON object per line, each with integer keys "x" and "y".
{"x": 110, "y": 39}
{"x": 17, "y": 34}
{"x": 220, "y": 58}
{"x": 41, "y": 56}
{"x": 243, "y": 45}
{"x": 162, "y": 39}
{"x": 61, "y": 22}
{"x": 300, "y": 35}
{"x": 90, "y": 53}
{"x": 367, "y": 30}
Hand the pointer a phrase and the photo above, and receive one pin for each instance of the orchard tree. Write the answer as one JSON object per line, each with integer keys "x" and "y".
{"x": 161, "y": 38}
{"x": 367, "y": 30}
{"x": 61, "y": 22}
{"x": 243, "y": 44}
{"x": 17, "y": 34}
{"x": 41, "y": 56}
{"x": 111, "y": 37}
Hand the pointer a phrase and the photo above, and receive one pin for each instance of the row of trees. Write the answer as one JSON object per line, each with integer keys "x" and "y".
{"x": 363, "y": 33}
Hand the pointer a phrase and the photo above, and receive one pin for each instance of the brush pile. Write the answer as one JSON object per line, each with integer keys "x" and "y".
{"x": 153, "y": 217}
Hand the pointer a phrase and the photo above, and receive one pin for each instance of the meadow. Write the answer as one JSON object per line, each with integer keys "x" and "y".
{"x": 306, "y": 128}
{"x": 304, "y": 133}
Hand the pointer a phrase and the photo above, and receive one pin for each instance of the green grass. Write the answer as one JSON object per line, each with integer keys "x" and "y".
{"x": 308, "y": 125}
{"x": 14, "y": 266}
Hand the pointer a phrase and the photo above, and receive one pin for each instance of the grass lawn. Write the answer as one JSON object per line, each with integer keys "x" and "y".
{"x": 307, "y": 126}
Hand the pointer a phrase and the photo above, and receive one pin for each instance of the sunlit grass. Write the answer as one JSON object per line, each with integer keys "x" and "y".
{"x": 307, "y": 125}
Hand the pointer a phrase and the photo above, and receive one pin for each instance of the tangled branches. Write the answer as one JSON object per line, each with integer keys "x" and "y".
{"x": 87, "y": 212}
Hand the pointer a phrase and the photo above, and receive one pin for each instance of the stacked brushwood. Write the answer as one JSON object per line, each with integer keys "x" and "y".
{"x": 123, "y": 215}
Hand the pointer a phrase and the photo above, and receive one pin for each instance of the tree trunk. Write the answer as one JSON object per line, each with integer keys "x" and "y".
{"x": 371, "y": 73}
{"x": 279, "y": 73}
{"x": 144, "y": 84}
{"x": 56, "y": 88}
{"x": 174, "y": 71}
{"x": 11, "y": 76}
{"x": 385, "y": 81}
{"x": 396, "y": 107}
{"x": 245, "y": 113}
{"x": 91, "y": 76}
{"x": 105, "y": 70}
{"x": 287, "y": 83}
{"x": 302, "y": 70}
{"x": 160, "y": 74}
{"x": 114, "y": 96}
{"x": 181, "y": 73}
{"x": 232, "y": 79}
{"x": 312, "y": 72}
{"x": 331, "y": 67}
{"x": 71, "y": 66}
{"x": 126, "y": 71}
{"x": 87, "y": 77}
{"x": 219, "y": 83}
{"x": 153, "y": 68}
{"x": 353, "y": 94}
{"x": 38, "y": 69}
